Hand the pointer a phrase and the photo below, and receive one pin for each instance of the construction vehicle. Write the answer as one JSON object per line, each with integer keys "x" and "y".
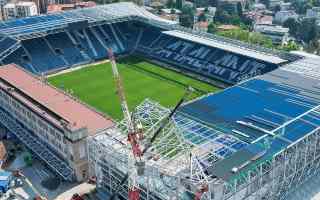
{"x": 135, "y": 135}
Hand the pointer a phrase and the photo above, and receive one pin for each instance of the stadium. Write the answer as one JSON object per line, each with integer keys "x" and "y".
{"x": 249, "y": 131}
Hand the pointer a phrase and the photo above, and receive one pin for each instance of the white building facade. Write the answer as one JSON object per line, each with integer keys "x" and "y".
{"x": 19, "y": 10}
{"x": 278, "y": 34}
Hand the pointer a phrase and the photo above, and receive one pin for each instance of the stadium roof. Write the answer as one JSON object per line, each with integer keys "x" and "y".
{"x": 272, "y": 111}
{"x": 38, "y": 26}
{"x": 226, "y": 46}
{"x": 49, "y": 102}
{"x": 58, "y": 20}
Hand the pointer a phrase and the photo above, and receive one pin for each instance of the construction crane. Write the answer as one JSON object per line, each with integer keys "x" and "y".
{"x": 132, "y": 133}
{"x": 135, "y": 134}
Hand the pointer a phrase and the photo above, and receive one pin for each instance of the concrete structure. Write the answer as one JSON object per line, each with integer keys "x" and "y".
{"x": 231, "y": 6}
{"x": 259, "y": 17}
{"x": 49, "y": 122}
{"x": 281, "y": 16}
{"x": 274, "y": 3}
{"x": 20, "y": 10}
{"x": 259, "y": 6}
{"x": 63, "y": 7}
{"x": 209, "y": 13}
{"x": 285, "y": 6}
{"x": 170, "y": 14}
{"x": 201, "y": 26}
{"x": 9, "y": 11}
{"x": 313, "y": 12}
{"x": 278, "y": 34}
{"x": 266, "y": 127}
{"x": 2, "y": 3}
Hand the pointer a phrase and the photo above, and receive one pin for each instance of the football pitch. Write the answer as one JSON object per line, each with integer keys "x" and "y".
{"x": 95, "y": 85}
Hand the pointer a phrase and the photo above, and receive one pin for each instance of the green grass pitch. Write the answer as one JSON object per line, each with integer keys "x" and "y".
{"x": 95, "y": 86}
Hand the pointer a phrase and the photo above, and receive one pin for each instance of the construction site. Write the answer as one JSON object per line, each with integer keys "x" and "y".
{"x": 254, "y": 134}
{"x": 185, "y": 158}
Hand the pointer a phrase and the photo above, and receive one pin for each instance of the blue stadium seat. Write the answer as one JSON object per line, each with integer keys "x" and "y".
{"x": 70, "y": 52}
{"x": 41, "y": 55}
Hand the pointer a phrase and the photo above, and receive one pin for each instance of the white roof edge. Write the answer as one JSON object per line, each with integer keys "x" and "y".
{"x": 226, "y": 46}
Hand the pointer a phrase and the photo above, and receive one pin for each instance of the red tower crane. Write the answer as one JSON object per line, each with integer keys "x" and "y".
{"x": 135, "y": 134}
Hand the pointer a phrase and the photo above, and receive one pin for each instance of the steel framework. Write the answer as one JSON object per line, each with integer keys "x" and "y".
{"x": 182, "y": 157}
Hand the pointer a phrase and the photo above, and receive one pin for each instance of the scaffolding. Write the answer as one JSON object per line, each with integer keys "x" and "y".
{"x": 183, "y": 157}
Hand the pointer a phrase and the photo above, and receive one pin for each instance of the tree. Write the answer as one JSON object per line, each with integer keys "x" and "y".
{"x": 201, "y": 3}
{"x": 239, "y": 9}
{"x": 222, "y": 16}
{"x": 291, "y": 46}
{"x": 266, "y": 2}
{"x": 212, "y": 28}
{"x": 246, "y": 36}
{"x": 171, "y": 4}
{"x": 179, "y": 4}
{"x": 301, "y": 6}
{"x": 314, "y": 47}
{"x": 28, "y": 159}
{"x": 308, "y": 30}
{"x": 202, "y": 17}
{"x": 187, "y": 16}
{"x": 293, "y": 26}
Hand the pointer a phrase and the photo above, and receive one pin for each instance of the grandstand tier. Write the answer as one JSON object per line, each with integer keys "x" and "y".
{"x": 245, "y": 136}
{"x": 45, "y": 44}
{"x": 272, "y": 112}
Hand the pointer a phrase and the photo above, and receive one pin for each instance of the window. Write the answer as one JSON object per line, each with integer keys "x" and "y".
{"x": 52, "y": 131}
{"x": 82, "y": 151}
{"x": 58, "y": 136}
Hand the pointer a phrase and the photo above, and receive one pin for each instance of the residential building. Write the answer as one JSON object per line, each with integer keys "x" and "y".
{"x": 26, "y": 9}
{"x": 278, "y": 34}
{"x": 231, "y": 6}
{"x": 313, "y": 12}
{"x": 2, "y": 4}
{"x": 259, "y": 17}
{"x": 170, "y": 14}
{"x": 201, "y": 26}
{"x": 208, "y": 12}
{"x": 20, "y": 10}
{"x": 258, "y": 6}
{"x": 282, "y": 16}
{"x": 63, "y": 7}
{"x": 9, "y": 11}
{"x": 285, "y": 6}
{"x": 274, "y": 3}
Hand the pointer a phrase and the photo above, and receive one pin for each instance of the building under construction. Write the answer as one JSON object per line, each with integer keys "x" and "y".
{"x": 256, "y": 140}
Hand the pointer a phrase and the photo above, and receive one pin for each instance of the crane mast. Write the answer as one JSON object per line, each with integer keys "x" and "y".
{"x": 120, "y": 92}
{"x": 134, "y": 135}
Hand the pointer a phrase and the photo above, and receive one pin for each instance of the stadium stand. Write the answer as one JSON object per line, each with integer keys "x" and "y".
{"x": 7, "y": 46}
{"x": 254, "y": 120}
{"x": 272, "y": 112}
{"x": 58, "y": 41}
